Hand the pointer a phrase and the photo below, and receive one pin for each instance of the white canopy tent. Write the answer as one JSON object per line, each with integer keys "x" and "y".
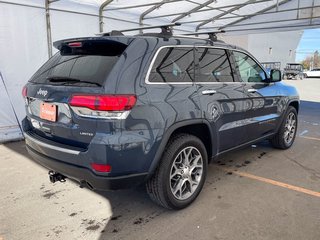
{"x": 28, "y": 28}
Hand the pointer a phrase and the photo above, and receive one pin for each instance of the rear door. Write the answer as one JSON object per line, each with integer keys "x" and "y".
{"x": 221, "y": 96}
{"x": 79, "y": 68}
{"x": 262, "y": 99}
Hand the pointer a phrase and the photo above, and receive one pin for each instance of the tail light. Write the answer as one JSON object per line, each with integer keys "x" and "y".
{"x": 101, "y": 167}
{"x": 103, "y": 106}
{"x": 24, "y": 92}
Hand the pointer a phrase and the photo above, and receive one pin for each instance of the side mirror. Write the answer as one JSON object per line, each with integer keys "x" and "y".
{"x": 275, "y": 75}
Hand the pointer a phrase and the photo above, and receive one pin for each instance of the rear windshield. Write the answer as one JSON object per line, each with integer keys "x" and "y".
{"x": 82, "y": 66}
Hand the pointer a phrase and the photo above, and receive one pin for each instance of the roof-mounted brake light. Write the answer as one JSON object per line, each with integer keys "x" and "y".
{"x": 75, "y": 44}
{"x": 24, "y": 91}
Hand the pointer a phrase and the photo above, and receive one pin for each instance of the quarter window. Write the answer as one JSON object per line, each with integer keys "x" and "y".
{"x": 173, "y": 65}
{"x": 214, "y": 66}
{"x": 249, "y": 70}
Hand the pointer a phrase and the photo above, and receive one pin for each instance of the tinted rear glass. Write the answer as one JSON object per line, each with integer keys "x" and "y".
{"x": 84, "y": 65}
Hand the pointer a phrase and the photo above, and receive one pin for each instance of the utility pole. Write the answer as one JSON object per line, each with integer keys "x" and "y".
{"x": 316, "y": 60}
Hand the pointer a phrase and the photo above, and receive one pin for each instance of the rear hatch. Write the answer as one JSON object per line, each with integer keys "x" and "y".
{"x": 66, "y": 101}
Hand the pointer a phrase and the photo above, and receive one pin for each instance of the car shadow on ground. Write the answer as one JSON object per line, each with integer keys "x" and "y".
{"x": 134, "y": 211}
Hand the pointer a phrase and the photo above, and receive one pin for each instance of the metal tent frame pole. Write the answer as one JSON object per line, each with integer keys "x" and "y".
{"x": 222, "y": 14}
{"x": 297, "y": 27}
{"x": 48, "y": 26}
{"x": 193, "y": 10}
{"x": 101, "y": 9}
{"x": 153, "y": 8}
{"x": 273, "y": 21}
{"x": 257, "y": 13}
{"x": 201, "y": 7}
{"x": 145, "y": 13}
{"x": 252, "y": 15}
{"x": 210, "y": 9}
{"x": 140, "y": 5}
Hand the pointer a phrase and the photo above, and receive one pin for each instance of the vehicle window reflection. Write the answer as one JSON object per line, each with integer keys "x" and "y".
{"x": 249, "y": 70}
{"x": 173, "y": 65}
{"x": 214, "y": 66}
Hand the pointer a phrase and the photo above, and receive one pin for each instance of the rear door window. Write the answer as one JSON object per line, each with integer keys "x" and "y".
{"x": 82, "y": 65}
{"x": 173, "y": 65}
{"x": 214, "y": 66}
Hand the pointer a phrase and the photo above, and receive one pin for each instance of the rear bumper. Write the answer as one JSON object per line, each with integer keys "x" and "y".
{"x": 84, "y": 175}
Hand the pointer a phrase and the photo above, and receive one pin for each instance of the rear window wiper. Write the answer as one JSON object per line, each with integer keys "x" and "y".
{"x": 67, "y": 80}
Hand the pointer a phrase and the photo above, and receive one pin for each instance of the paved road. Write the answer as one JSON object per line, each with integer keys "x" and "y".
{"x": 255, "y": 193}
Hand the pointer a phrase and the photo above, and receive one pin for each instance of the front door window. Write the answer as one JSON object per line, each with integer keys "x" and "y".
{"x": 249, "y": 70}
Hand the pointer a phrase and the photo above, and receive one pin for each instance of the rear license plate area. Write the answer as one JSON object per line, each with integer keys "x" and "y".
{"x": 48, "y": 111}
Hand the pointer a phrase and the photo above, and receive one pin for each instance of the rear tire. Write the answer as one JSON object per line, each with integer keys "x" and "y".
{"x": 181, "y": 174}
{"x": 287, "y": 131}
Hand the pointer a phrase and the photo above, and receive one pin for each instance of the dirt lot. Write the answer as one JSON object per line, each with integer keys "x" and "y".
{"x": 255, "y": 193}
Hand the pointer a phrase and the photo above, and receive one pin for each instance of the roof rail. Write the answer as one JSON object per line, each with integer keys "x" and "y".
{"x": 212, "y": 34}
{"x": 166, "y": 29}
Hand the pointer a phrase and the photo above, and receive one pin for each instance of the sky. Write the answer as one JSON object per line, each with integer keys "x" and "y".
{"x": 309, "y": 43}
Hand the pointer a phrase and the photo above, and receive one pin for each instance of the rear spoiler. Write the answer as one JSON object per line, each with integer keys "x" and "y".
{"x": 58, "y": 44}
{"x": 90, "y": 46}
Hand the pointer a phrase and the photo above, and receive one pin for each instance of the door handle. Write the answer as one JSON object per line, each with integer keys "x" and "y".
{"x": 252, "y": 90}
{"x": 209, "y": 92}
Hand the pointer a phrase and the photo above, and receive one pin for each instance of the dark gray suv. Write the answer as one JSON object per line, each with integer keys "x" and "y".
{"x": 117, "y": 111}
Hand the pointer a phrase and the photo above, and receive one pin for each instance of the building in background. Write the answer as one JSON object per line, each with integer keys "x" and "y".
{"x": 269, "y": 47}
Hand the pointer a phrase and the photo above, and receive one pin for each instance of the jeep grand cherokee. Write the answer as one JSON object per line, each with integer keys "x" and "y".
{"x": 116, "y": 111}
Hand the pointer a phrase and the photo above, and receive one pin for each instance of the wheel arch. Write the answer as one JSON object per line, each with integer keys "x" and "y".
{"x": 295, "y": 104}
{"x": 197, "y": 127}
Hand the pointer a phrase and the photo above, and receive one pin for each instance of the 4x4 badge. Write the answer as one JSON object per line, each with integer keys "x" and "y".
{"x": 42, "y": 92}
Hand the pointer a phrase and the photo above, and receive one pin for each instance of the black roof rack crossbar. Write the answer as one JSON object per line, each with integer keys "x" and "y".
{"x": 212, "y": 34}
{"x": 166, "y": 29}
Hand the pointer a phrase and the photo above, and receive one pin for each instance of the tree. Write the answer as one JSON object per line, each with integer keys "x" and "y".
{"x": 307, "y": 62}
{"x": 311, "y": 61}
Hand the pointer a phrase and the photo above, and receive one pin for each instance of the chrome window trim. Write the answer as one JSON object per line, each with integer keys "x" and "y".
{"x": 60, "y": 149}
{"x": 191, "y": 83}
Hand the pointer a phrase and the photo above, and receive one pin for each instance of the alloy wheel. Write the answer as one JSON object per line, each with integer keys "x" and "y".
{"x": 186, "y": 173}
{"x": 290, "y": 128}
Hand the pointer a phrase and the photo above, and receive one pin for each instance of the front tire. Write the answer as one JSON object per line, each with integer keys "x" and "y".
{"x": 288, "y": 129}
{"x": 181, "y": 174}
